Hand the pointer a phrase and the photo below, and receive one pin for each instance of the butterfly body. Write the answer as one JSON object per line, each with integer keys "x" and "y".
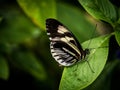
{"x": 64, "y": 47}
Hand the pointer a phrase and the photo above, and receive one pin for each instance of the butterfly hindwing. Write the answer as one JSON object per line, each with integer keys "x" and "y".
{"x": 65, "y": 48}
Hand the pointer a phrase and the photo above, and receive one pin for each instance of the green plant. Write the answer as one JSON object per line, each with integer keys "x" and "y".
{"x": 24, "y": 45}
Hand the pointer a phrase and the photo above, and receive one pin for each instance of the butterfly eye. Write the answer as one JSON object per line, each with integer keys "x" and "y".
{"x": 87, "y": 51}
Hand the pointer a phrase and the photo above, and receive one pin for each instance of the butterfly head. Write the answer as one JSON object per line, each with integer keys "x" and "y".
{"x": 87, "y": 51}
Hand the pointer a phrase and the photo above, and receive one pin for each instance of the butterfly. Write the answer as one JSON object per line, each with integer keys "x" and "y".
{"x": 64, "y": 46}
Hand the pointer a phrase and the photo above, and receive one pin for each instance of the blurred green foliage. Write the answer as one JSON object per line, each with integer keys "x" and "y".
{"x": 25, "y": 58}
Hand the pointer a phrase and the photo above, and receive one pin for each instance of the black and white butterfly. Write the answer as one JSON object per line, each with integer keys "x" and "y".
{"x": 65, "y": 48}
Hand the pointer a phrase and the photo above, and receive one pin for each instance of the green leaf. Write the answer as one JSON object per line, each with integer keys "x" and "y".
{"x": 39, "y": 10}
{"x": 4, "y": 70}
{"x": 29, "y": 63}
{"x": 100, "y": 9}
{"x": 77, "y": 24}
{"x": 15, "y": 27}
{"x": 117, "y": 34}
{"x": 80, "y": 75}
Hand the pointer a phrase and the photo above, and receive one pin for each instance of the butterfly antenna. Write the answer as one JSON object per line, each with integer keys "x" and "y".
{"x": 90, "y": 66}
{"x": 88, "y": 46}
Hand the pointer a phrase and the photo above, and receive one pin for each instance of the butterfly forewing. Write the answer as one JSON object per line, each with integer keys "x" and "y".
{"x": 65, "y": 48}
